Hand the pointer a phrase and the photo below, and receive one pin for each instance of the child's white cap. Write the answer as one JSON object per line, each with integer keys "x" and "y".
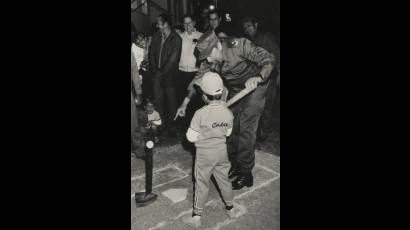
{"x": 211, "y": 83}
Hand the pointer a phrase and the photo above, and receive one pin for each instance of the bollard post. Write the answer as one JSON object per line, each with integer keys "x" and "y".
{"x": 148, "y": 166}
{"x": 147, "y": 197}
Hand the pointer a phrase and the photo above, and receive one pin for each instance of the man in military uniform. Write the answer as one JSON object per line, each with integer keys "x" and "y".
{"x": 242, "y": 65}
{"x": 268, "y": 42}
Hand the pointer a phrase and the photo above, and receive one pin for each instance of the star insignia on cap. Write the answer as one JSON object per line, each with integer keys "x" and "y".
{"x": 235, "y": 43}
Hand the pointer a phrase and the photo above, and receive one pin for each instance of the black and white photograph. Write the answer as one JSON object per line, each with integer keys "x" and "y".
{"x": 205, "y": 114}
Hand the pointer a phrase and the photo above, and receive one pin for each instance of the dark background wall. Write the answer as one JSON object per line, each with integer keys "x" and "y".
{"x": 143, "y": 22}
{"x": 268, "y": 11}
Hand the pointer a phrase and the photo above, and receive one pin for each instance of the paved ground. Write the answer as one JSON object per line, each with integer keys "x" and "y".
{"x": 260, "y": 205}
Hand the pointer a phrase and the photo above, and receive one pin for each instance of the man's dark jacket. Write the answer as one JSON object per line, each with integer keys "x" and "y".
{"x": 170, "y": 55}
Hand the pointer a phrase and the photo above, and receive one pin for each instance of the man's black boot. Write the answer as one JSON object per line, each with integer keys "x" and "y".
{"x": 142, "y": 199}
{"x": 233, "y": 172}
{"x": 139, "y": 195}
{"x": 242, "y": 181}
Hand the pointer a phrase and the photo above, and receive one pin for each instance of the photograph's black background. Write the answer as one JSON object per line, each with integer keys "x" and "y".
{"x": 65, "y": 155}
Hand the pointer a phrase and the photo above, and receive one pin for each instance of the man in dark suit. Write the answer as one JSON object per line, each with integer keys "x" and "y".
{"x": 164, "y": 55}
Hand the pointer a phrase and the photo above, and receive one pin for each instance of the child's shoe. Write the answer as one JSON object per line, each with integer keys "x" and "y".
{"x": 193, "y": 221}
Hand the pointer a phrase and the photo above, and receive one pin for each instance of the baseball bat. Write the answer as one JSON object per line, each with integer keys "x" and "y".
{"x": 233, "y": 100}
{"x": 238, "y": 96}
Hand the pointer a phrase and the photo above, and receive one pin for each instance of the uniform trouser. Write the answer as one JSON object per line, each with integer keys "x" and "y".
{"x": 266, "y": 120}
{"x": 213, "y": 161}
{"x": 135, "y": 134}
{"x": 166, "y": 101}
{"x": 241, "y": 143}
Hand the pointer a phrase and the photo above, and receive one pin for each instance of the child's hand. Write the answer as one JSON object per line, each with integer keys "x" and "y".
{"x": 138, "y": 99}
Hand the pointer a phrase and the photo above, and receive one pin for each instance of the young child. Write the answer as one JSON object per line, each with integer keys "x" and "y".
{"x": 140, "y": 49}
{"x": 208, "y": 130}
{"x": 153, "y": 120}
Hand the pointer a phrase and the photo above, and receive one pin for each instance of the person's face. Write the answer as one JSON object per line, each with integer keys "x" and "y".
{"x": 161, "y": 24}
{"x": 204, "y": 13}
{"x": 214, "y": 20}
{"x": 141, "y": 42}
{"x": 250, "y": 28}
{"x": 150, "y": 108}
{"x": 189, "y": 25}
{"x": 223, "y": 38}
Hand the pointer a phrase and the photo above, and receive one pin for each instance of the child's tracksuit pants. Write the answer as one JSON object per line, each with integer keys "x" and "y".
{"x": 211, "y": 161}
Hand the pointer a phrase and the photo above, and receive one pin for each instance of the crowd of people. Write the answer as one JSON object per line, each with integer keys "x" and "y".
{"x": 180, "y": 81}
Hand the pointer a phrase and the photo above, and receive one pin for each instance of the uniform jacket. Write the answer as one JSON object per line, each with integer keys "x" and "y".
{"x": 206, "y": 43}
{"x": 170, "y": 56}
{"x": 267, "y": 41}
{"x": 241, "y": 61}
